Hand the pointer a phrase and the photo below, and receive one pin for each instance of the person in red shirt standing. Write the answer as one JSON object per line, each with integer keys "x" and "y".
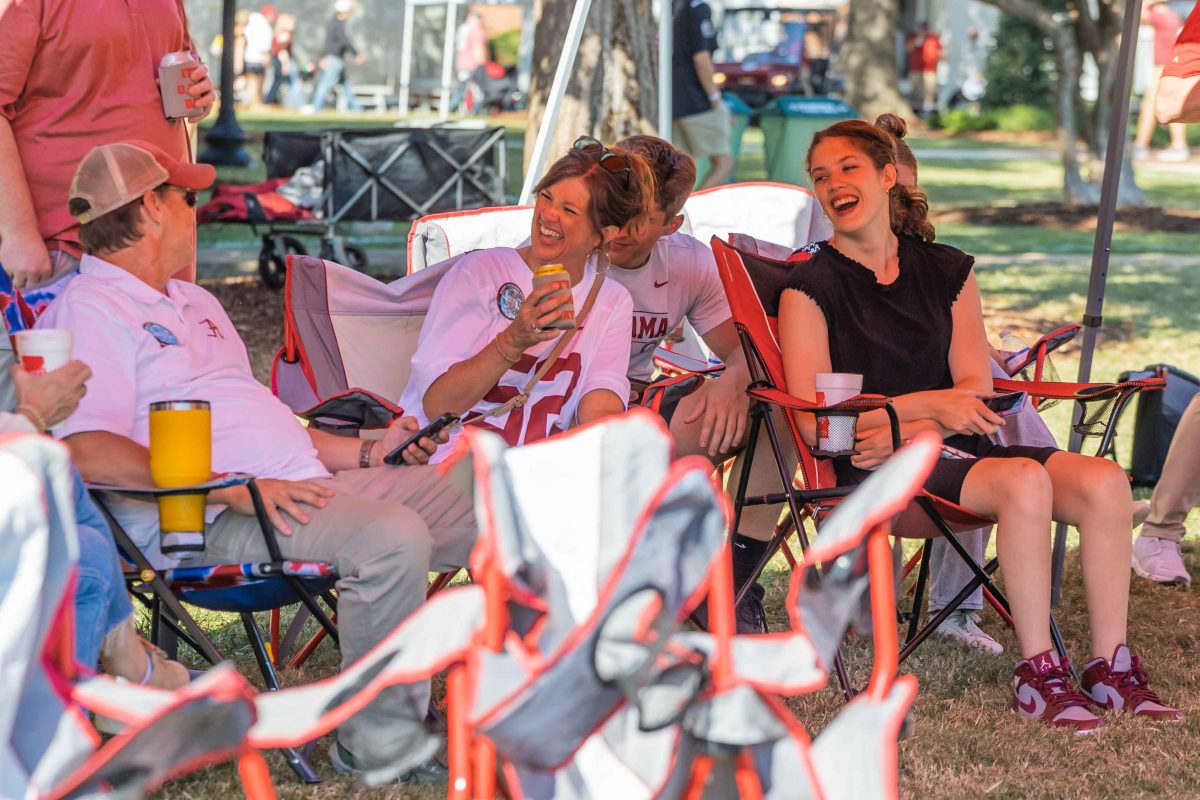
{"x": 1156, "y": 553}
{"x": 73, "y": 75}
{"x": 924, "y": 51}
{"x": 1177, "y": 98}
{"x": 1166, "y": 23}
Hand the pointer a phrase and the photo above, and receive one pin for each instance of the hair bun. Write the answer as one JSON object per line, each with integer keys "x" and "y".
{"x": 893, "y": 124}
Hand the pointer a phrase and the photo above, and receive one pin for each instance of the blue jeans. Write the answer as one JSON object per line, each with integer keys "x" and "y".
{"x": 101, "y": 601}
{"x": 278, "y": 79}
{"x": 333, "y": 74}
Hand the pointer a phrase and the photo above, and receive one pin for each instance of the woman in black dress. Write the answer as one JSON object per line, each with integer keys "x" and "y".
{"x": 881, "y": 299}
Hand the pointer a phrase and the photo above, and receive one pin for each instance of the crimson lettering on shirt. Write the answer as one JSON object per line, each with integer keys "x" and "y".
{"x": 539, "y": 411}
{"x": 647, "y": 325}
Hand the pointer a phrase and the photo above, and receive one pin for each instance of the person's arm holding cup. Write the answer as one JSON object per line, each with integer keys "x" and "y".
{"x": 48, "y": 398}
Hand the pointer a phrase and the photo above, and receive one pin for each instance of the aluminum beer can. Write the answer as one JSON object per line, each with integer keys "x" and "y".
{"x": 557, "y": 273}
{"x": 174, "y": 79}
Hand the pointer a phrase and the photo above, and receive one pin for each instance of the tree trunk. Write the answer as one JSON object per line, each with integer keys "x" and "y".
{"x": 612, "y": 88}
{"x": 868, "y": 59}
{"x": 1078, "y": 32}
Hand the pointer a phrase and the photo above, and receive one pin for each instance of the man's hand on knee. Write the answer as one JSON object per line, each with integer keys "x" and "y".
{"x": 279, "y": 498}
{"x": 721, "y": 408}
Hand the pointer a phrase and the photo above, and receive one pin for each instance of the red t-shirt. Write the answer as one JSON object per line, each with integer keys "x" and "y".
{"x": 1185, "y": 57}
{"x": 75, "y": 75}
{"x": 931, "y": 52}
{"x": 1166, "y": 25}
{"x": 916, "y": 62}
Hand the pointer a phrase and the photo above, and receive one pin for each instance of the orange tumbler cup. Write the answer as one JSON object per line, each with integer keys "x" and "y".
{"x": 181, "y": 455}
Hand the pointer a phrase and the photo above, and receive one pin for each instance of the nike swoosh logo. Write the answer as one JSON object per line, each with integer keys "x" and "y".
{"x": 658, "y": 285}
{"x": 1030, "y": 708}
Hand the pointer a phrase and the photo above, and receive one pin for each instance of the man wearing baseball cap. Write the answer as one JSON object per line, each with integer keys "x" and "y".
{"x": 150, "y": 337}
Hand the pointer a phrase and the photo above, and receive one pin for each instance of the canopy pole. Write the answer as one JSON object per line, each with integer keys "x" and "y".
{"x": 1118, "y": 133}
{"x": 666, "y": 57}
{"x": 406, "y": 57}
{"x": 448, "y": 59}
{"x": 558, "y": 90}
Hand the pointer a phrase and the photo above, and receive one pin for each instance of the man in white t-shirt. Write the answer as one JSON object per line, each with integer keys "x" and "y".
{"x": 673, "y": 277}
{"x": 148, "y": 337}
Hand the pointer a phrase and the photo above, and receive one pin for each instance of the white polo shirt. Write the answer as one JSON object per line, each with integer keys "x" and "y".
{"x": 144, "y": 346}
{"x": 680, "y": 280}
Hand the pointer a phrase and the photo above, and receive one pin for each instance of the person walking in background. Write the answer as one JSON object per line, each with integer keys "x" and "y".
{"x": 470, "y": 53}
{"x": 700, "y": 119}
{"x": 284, "y": 66}
{"x": 816, "y": 52}
{"x": 333, "y": 60}
{"x": 924, "y": 49}
{"x": 256, "y": 53}
{"x": 1166, "y": 25}
{"x": 72, "y": 75}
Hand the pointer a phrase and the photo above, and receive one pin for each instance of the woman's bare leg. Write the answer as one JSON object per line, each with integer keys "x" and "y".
{"x": 1093, "y": 495}
{"x": 1017, "y": 493}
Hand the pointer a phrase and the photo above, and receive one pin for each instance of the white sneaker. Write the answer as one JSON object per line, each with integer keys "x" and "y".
{"x": 1159, "y": 560}
{"x": 1174, "y": 154}
{"x": 962, "y": 626}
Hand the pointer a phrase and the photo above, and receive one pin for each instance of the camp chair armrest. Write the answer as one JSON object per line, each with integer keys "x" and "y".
{"x": 222, "y": 481}
{"x": 1056, "y": 390}
{"x": 855, "y": 405}
{"x": 672, "y": 362}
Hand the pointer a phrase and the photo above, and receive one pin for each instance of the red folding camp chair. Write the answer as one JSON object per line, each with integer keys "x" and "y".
{"x": 752, "y": 284}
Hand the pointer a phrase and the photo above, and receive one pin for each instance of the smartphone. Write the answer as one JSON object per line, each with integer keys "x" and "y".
{"x": 954, "y": 454}
{"x": 1006, "y": 403}
{"x": 396, "y": 457}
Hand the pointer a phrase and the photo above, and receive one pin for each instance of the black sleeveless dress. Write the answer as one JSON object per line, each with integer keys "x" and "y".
{"x": 897, "y": 336}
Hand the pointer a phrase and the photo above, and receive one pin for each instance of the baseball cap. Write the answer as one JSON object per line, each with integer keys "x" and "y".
{"x": 112, "y": 175}
{"x": 343, "y": 6}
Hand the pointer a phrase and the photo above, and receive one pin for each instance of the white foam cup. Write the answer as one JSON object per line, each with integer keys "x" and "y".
{"x": 836, "y": 434}
{"x": 43, "y": 350}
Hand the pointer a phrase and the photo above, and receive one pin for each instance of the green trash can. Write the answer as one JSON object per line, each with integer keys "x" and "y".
{"x": 788, "y": 125}
{"x": 739, "y": 120}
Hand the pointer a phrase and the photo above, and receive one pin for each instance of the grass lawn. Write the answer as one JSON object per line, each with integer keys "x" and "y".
{"x": 963, "y": 741}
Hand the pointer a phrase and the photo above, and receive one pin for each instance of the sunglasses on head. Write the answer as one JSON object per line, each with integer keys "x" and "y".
{"x": 613, "y": 162}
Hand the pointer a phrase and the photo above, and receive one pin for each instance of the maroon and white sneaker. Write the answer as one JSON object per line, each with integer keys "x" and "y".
{"x": 1042, "y": 690}
{"x": 1122, "y": 685}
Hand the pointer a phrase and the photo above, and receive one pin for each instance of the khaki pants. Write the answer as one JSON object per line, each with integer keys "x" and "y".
{"x": 1178, "y": 490}
{"x": 384, "y": 529}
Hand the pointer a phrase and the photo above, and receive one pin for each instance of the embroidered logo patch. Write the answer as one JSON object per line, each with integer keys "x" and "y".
{"x": 509, "y": 300}
{"x": 161, "y": 335}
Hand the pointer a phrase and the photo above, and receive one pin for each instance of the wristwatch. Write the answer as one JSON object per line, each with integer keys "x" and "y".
{"x": 715, "y": 96}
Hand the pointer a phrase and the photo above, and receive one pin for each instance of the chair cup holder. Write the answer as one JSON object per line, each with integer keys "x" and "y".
{"x": 835, "y": 433}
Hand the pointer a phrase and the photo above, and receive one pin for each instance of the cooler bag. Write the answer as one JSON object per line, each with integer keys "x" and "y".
{"x": 1157, "y": 417}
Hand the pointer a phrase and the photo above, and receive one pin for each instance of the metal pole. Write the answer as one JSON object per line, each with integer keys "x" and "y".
{"x": 448, "y": 59}
{"x": 558, "y": 90}
{"x": 226, "y": 138}
{"x": 1118, "y": 133}
{"x": 406, "y": 57}
{"x": 666, "y": 57}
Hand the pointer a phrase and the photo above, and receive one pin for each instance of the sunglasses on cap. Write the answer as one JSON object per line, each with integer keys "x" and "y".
{"x": 613, "y": 162}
